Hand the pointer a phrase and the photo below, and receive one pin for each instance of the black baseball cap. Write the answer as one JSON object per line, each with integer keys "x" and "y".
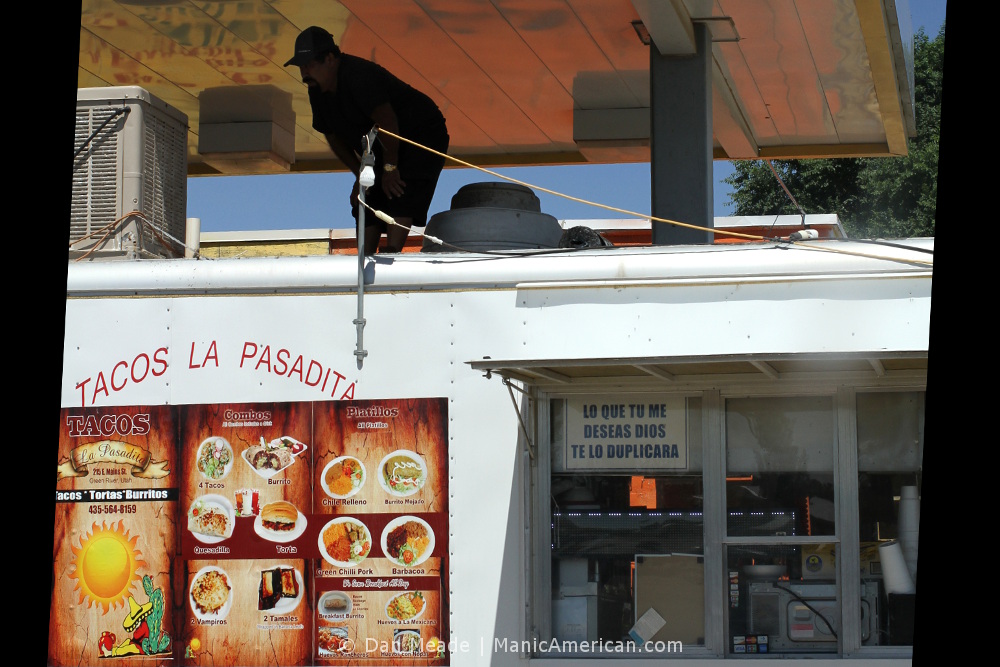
{"x": 311, "y": 42}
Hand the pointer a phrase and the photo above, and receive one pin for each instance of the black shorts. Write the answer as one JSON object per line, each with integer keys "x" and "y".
{"x": 419, "y": 169}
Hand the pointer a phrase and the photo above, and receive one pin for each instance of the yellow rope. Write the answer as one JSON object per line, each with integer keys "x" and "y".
{"x": 750, "y": 237}
{"x": 571, "y": 198}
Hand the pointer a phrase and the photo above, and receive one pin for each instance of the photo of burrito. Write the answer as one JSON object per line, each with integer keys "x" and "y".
{"x": 402, "y": 473}
{"x": 334, "y": 605}
{"x": 262, "y": 458}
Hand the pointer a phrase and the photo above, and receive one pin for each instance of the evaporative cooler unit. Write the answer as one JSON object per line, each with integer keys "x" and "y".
{"x": 129, "y": 176}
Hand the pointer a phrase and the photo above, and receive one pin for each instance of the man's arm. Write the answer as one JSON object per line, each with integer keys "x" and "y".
{"x": 344, "y": 153}
{"x": 385, "y": 118}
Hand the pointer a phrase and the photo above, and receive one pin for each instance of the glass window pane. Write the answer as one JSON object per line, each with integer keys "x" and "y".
{"x": 789, "y": 607}
{"x": 625, "y": 542}
{"x": 779, "y": 466}
{"x": 890, "y": 450}
{"x": 890, "y": 431}
{"x": 621, "y": 544}
{"x": 783, "y": 598}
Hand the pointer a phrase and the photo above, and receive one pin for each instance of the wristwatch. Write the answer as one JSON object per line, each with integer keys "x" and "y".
{"x": 388, "y": 167}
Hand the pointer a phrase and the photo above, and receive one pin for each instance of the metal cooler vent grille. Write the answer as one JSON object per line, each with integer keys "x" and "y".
{"x": 165, "y": 191}
{"x": 96, "y": 186}
{"x": 135, "y": 164}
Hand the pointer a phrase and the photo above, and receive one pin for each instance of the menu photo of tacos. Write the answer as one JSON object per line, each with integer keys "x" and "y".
{"x": 215, "y": 458}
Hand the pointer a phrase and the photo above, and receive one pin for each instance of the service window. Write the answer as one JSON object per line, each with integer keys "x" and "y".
{"x": 814, "y": 500}
{"x": 626, "y": 503}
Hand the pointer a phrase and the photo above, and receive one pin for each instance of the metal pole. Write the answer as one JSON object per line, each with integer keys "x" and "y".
{"x": 367, "y": 162}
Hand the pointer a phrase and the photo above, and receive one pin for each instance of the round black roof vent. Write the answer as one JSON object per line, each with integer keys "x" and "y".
{"x": 493, "y": 216}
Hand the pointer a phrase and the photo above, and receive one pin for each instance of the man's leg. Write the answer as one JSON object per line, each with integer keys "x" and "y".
{"x": 372, "y": 236}
{"x": 395, "y": 236}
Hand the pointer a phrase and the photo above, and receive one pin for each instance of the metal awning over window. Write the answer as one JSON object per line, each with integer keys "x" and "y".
{"x": 698, "y": 370}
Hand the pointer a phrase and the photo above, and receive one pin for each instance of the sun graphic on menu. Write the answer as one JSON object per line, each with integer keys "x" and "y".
{"x": 106, "y": 564}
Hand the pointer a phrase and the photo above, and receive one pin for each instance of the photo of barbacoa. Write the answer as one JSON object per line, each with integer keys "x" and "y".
{"x": 407, "y": 542}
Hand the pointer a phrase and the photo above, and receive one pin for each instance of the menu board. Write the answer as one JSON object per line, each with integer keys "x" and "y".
{"x": 115, "y": 535}
{"x": 382, "y": 499}
{"x": 252, "y": 534}
{"x": 246, "y": 494}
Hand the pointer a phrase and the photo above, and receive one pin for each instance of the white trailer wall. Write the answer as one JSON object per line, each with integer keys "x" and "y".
{"x": 428, "y": 317}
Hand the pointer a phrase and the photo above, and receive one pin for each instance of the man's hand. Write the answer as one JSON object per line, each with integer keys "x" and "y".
{"x": 392, "y": 184}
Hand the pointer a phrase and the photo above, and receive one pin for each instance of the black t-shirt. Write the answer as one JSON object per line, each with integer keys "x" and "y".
{"x": 363, "y": 85}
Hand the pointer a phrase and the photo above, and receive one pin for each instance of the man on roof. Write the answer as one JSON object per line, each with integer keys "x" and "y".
{"x": 349, "y": 95}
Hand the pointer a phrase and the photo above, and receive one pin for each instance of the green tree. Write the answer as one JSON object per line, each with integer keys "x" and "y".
{"x": 874, "y": 197}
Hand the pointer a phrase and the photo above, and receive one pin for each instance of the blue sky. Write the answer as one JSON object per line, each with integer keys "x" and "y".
{"x": 308, "y": 201}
